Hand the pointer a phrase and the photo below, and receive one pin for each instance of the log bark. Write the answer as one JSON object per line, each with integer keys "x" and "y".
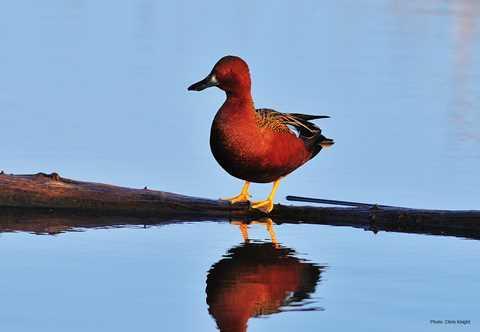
{"x": 45, "y": 202}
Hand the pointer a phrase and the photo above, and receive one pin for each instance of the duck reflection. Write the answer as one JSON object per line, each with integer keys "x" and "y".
{"x": 258, "y": 278}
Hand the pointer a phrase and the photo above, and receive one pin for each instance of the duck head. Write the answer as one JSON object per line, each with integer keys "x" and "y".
{"x": 231, "y": 74}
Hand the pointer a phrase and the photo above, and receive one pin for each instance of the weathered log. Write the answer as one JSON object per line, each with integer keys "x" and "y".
{"x": 42, "y": 202}
{"x": 54, "y": 192}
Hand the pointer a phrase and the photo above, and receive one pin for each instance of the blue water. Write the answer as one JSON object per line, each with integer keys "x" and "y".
{"x": 96, "y": 90}
{"x": 155, "y": 279}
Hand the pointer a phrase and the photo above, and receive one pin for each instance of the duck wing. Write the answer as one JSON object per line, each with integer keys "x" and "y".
{"x": 307, "y": 131}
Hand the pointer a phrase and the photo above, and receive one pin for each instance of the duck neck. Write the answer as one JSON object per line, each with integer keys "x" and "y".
{"x": 238, "y": 108}
{"x": 241, "y": 101}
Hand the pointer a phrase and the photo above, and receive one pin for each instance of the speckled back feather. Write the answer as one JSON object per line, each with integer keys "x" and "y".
{"x": 307, "y": 131}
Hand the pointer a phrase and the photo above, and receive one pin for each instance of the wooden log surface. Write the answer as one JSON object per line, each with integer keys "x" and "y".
{"x": 42, "y": 202}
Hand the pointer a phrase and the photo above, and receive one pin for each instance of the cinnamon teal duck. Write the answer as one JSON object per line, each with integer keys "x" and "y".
{"x": 257, "y": 145}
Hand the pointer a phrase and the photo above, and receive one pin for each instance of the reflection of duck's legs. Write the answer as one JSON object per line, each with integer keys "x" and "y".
{"x": 271, "y": 231}
{"x": 265, "y": 221}
{"x": 269, "y": 226}
{"x": 243, "y": 229}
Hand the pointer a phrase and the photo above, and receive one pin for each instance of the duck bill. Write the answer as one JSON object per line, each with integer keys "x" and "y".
{"x": 207, "y": 82}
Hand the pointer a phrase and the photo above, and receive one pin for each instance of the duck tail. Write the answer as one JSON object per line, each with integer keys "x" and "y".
{"x": 320, "y": 143}
{"x": 326, "y": 142}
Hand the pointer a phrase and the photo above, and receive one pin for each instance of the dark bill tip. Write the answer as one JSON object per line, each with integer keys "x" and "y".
{"x": 207, "y": 82}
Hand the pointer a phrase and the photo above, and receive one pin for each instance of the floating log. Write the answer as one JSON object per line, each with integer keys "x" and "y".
{"x": 48, "y": 201}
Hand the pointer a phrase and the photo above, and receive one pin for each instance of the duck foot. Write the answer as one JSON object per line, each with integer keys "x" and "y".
{"x": 265, "y": 206}
{"x": 240, "y": 198}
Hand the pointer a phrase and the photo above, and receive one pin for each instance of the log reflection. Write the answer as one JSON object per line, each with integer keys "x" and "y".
{"x": 259, "y": 278}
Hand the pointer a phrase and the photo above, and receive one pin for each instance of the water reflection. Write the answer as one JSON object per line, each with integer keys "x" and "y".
{"x": 462, "y": 17}
{"x": 465, "y": 19}
{"x": 259, "y": 278}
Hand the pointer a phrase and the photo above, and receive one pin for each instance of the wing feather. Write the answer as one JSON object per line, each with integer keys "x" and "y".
{"x": 277, "y": 120}
{"x": 310, "y": 133}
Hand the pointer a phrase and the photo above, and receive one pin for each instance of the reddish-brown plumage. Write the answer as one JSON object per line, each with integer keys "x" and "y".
{"x": 251, "y": 153}
{"x": 257, "y": 279}
{"x": 243, "y": 147}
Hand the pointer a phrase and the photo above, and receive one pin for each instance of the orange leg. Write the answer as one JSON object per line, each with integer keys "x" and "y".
{"x": 243, "y": 229}
{"x": 269, "y": 226}
{"x": 271, "y": 231}
{"x": 242, "y": 197}
{"x": 267, "y": 205}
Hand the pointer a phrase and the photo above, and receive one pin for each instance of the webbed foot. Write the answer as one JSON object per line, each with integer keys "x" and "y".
{"x": 265, "y": 206}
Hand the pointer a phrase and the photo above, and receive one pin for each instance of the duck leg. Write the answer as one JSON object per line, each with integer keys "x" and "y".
{"x": 267, "y": 205}
{"x": 242, "y": 197}
{"x": 271, "y": 231}
{"x": 268, "y": 223}
{"x": 243, "y": 229}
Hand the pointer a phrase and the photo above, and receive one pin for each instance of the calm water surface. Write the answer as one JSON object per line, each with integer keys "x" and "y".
{"x": 96, "y": 90}
{"x": 197, "y": 276}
